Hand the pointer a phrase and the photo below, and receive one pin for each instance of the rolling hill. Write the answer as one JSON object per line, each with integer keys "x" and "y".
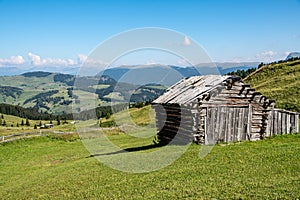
{"x": 54, "y": 93}
{"x": 279, "y": 81}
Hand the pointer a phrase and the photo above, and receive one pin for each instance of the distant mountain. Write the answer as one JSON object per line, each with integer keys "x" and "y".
{"x": 168, "y": 75}
{"x": 36, "y": 74}
{"x": 14, "y": 71}
{"x": 52, "y": 92}
{"x": 11, "y": 71}
{"x": 293, "y": 55}
{"x": 144, "y": 74}
{"x": 118, "y": 72}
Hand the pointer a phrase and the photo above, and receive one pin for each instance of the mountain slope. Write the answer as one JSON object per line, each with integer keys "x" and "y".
{"x": 53, "y": 93}
{"x": 279, "y": 81}
{"x": 293, "y": 55}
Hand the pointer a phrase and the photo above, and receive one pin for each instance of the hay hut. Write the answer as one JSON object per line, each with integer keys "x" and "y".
{"x": 211, "y": 109}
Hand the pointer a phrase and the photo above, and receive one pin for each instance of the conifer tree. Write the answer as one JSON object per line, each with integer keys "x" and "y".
{"x": 27, "y": 122}
{"x": 58, "y": 120}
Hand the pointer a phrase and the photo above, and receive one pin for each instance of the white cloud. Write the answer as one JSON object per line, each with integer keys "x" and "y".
{"x": 90, "y": 61}
{"x": 13, "y": 60}
{"x": 151, "y": 62}
{"x": 287, "y": 53}
{"x": 36, "y": 60}
{"x": 187, "y": 41}
{"x": 71, "y": 62}
{"x": 183, "y": 62}
{"x": 268, "y": 56}
{"x": 265, "y": 56}
{"x": 81, "y": 58}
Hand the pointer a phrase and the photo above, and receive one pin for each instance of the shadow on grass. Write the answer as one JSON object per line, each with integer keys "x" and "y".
{"x": 131, "y": 149}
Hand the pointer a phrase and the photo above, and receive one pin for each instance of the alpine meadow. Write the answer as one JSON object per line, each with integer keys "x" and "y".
{"x": 149, "y": 99}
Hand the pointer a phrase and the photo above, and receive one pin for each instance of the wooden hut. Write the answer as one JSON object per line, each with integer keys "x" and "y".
{"x": 211, "y": 109}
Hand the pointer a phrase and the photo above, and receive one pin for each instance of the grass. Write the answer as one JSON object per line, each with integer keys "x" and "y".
{"x": 139, "y": 116}
{"x": 100, "y": 86}
{"x": 139, "y": 122}
{"x": 135, "y": 121}
{"x": 12, "y": 121}
{"x": 280, "y": 82}
{"x": 52, "y": 168}
{"x": 115, "y": 96}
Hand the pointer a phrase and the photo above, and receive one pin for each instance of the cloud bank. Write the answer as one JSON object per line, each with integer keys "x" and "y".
{"x": 265, "y": 57}
{"x": 36, "y": 60}
{"x": 13, "y": 60}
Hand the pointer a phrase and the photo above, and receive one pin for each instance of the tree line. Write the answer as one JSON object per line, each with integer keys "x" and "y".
{"x": 3, "y": 122}
{"x": 243, "y": 73}
{"x": 35, "y": 114}
{"x": 9, "y": 91}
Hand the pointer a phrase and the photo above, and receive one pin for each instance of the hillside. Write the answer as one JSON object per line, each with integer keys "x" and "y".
{"x": 279, "y": 81}
{"x": 136, "y": 120}
{"x": 51, "y": 168}
{"x": 10, "y": 124}
{"x": 53, "y": 93}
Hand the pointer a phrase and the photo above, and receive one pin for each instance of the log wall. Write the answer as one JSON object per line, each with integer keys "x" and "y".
{"x": 282, "y": 122}
{"x": 226, "y": 124}
{"x": 229, "y": 112}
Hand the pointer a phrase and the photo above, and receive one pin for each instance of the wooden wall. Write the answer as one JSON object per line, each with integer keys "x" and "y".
{"x": 226, "y": 124}
{"x": 282, "y": 122}
{"x": 227, "y": 113}
{"x": 176, "y": 123}
{"x": 240, "y": 98}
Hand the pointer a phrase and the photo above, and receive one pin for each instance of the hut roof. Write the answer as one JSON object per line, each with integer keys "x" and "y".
{"x": 190, "y": 89}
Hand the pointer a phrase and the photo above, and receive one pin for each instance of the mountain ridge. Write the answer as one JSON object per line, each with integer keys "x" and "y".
{"x": 293, "y": 55}
{"x": 170, "y": 74}
{"x": 18, "y": 70}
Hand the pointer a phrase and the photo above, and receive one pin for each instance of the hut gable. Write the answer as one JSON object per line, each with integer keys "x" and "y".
{"x": 212, "y": 109}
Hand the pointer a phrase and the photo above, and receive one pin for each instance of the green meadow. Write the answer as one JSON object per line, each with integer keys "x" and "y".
{"x": 56, "y": 167}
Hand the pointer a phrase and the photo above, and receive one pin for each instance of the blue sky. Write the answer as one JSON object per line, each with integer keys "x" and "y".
{"x": 61, "y": 32}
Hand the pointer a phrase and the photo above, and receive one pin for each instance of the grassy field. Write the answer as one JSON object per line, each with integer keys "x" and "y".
{"x": 139, "y": 122}
{"x": 136, "y": 120}
{"x": 12, "y": 121}
{"x": 139, "y": 116}
{"x": 53, "y": 168}
{"x": 280, "y": 82}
